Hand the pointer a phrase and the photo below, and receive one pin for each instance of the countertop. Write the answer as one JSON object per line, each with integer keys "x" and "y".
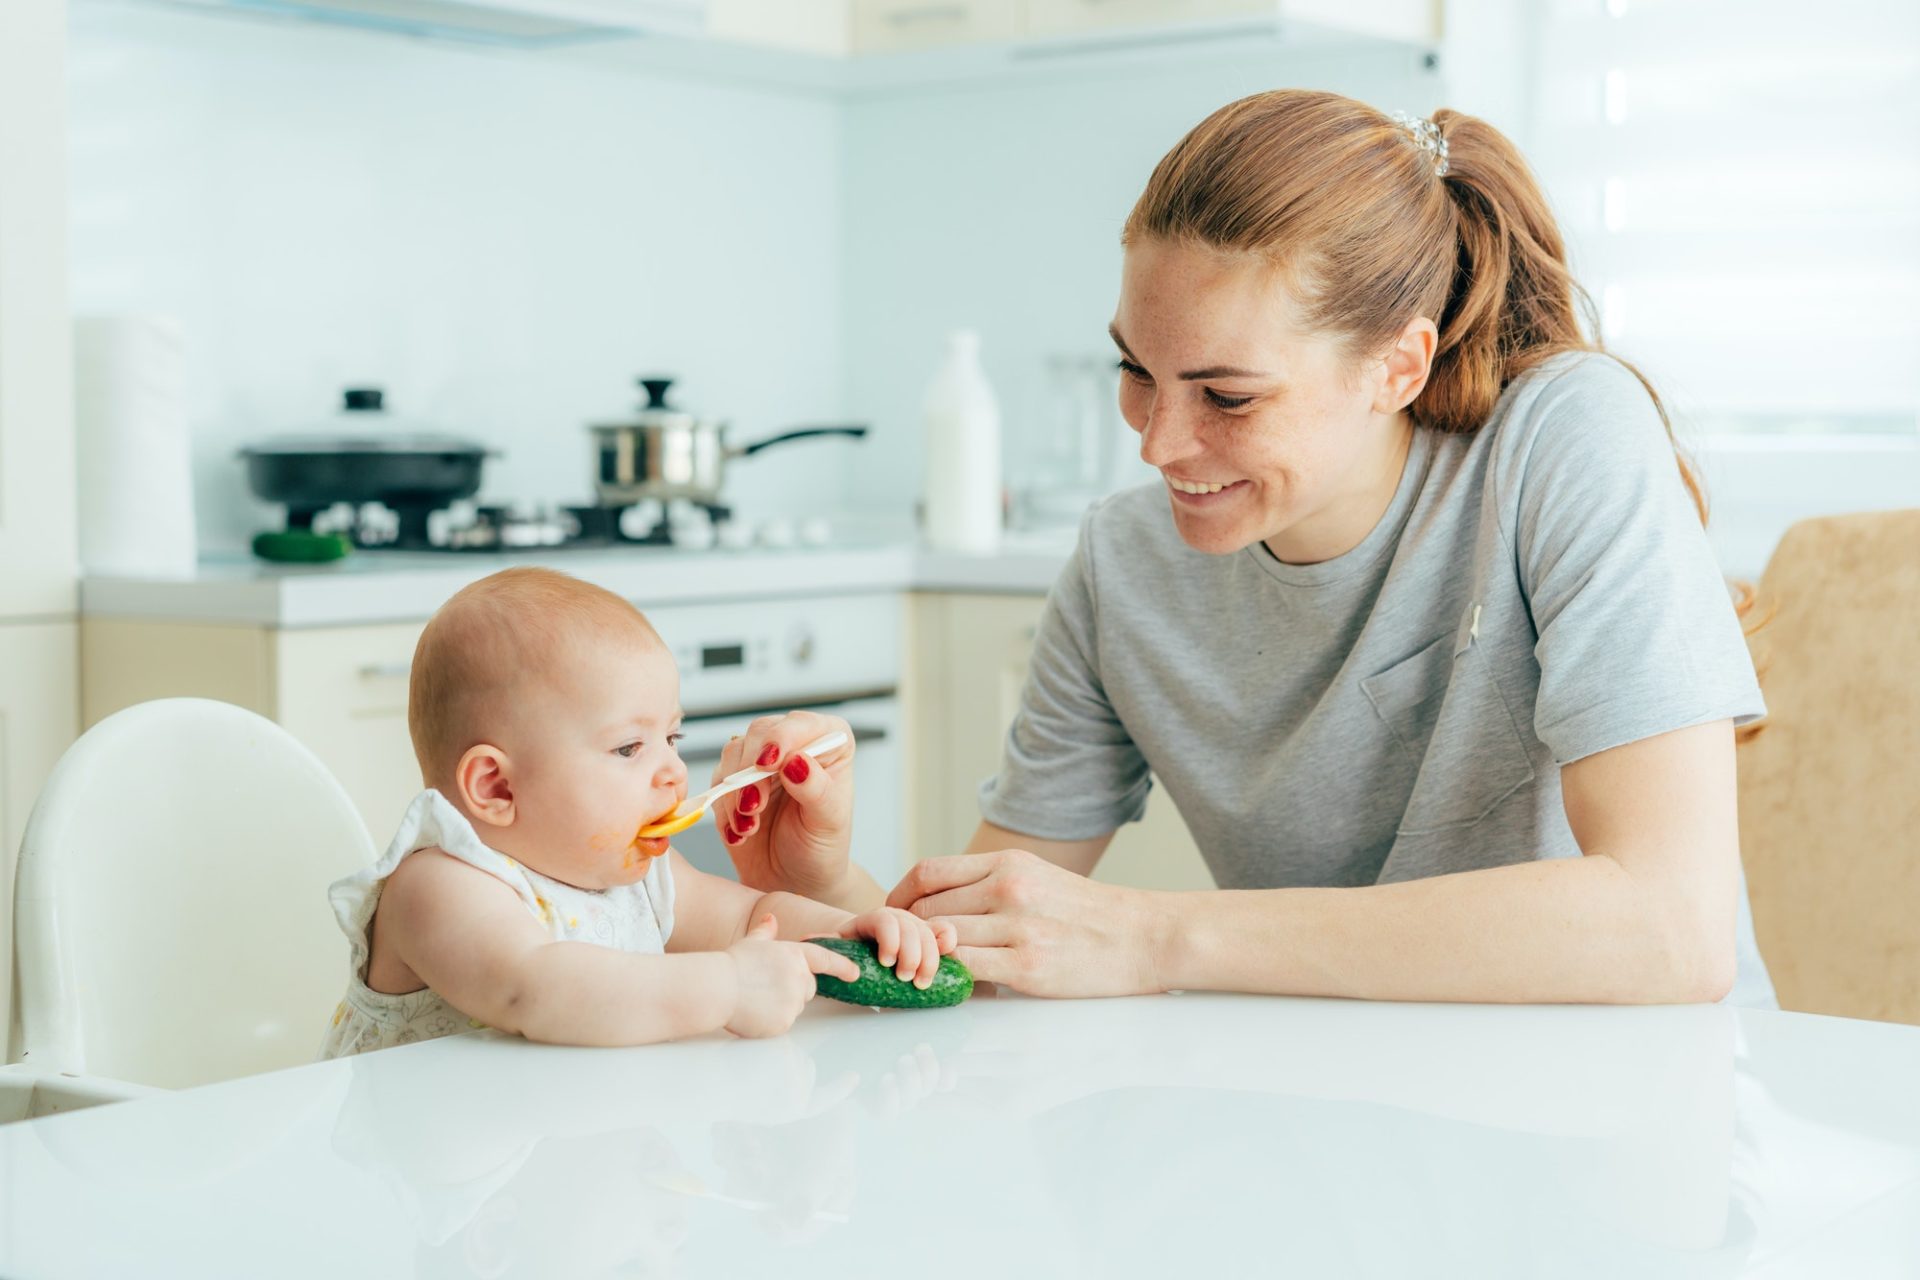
{"x": 387, "y": 586}
{"x": 1166, "y": 1136}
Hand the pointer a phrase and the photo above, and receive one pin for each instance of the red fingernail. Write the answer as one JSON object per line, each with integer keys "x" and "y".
{"x": 749, "y": 800}
{"x": 727, "y": 834}
{"x": 768, "y": 756}
{"x": 797, "y": 769}
{"x": 743, "y": 826}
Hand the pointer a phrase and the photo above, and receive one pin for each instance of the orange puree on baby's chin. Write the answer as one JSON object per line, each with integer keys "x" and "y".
{"x": 642, "y": 851}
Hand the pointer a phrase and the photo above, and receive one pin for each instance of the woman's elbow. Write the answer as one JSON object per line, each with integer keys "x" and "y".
{"x": 1701, "y": 963}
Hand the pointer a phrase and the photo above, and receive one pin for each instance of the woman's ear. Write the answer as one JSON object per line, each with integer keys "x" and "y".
{"x": 484, "y": 783}
{"x": 1408, "y": 363}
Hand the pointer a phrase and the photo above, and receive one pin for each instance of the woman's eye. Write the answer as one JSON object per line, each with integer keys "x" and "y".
{"x": 1219, "y": 401}
{"x": 1134, "y": 371}
{"x": 626, "y": 750}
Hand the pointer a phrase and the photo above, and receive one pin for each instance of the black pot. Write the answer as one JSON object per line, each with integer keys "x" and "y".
{"x": 412, "y": 473}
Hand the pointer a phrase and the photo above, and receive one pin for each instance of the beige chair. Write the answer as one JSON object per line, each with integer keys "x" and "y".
{"x": 1830, "y": 791}
{"x": 171, "y": 917}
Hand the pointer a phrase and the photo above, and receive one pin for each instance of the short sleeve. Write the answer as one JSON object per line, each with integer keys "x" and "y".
{"x": 1069, "y": 770}
{"x": 1636, "y": 629}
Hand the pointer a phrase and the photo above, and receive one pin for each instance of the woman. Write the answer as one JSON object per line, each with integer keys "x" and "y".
{"x": 1422, "y": 632}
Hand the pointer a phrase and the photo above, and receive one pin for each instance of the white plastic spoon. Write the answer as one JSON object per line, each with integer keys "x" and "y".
{"x": 694, "y": 808}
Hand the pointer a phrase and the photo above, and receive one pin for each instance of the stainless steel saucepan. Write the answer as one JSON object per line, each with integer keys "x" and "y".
{"x": 666, "y": 453}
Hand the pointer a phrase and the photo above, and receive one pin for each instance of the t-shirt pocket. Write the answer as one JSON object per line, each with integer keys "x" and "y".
{"x": 1442, "y": 706}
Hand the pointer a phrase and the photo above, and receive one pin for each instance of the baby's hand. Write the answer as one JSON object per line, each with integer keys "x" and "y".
{"x": 910, "y": 946}
{"x": 773, "y": 980}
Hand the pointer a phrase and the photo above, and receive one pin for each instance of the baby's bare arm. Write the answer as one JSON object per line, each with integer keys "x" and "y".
{"x": 711, "y": 913}
{"x": 469, "y": 937}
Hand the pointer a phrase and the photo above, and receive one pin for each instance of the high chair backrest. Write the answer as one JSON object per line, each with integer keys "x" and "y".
{"x": 171, "y": 917}
{"x": 1830, "y": 790}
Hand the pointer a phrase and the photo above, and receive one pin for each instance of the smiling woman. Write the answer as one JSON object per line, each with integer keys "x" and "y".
{"x": 1421, "y": 630}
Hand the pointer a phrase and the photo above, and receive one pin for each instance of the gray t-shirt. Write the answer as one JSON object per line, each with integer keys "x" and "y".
{"x": 1536, "y": 592}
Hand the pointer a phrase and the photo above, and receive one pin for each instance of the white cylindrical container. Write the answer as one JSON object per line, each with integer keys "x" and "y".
{"x": 134, "y": 450}
{"x": 962, "y": 487}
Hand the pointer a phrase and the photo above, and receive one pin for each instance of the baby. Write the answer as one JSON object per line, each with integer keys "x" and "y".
{"x": 517, "y": 893}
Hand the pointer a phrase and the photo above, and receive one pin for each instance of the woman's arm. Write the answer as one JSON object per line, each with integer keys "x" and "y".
{"x": 1077, "y": 856}
{"x": 1646, "y": 916}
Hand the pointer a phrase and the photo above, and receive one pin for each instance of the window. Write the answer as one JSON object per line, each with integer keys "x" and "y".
{"x": 1739, "y": 181}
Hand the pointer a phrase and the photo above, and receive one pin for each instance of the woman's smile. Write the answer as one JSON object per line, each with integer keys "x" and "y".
{"x": 1203, "y": 493}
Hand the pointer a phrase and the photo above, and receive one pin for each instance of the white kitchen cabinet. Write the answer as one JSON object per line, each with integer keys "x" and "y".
{"x": 37, "y": 541}
{"x": 968, "y": 662}
{"x": 342, "y": 691}
{"x": 807, "y": 26}
{"x": 891, "y": 26}
{"x": 1414, "y": 20}
{"x": 39, "y": 692}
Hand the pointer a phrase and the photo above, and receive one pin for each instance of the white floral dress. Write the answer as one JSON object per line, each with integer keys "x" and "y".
{"x": 636, "y": 917}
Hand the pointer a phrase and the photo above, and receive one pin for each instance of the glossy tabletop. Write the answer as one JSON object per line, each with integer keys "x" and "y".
{"x": 1168, "y": 1136}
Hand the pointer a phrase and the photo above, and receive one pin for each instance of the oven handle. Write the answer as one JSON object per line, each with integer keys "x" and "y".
{"x": 705, "y": 747}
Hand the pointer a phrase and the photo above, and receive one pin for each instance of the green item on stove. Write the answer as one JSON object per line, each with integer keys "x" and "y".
{"x": 880, "y": 986}
{"x": 300, "y": 546}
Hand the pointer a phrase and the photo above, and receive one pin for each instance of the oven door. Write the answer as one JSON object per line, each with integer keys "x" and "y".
{"x": 878, "y": 803}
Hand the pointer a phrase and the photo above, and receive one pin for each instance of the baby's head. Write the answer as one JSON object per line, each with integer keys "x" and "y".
{"x": 548, "y": 710}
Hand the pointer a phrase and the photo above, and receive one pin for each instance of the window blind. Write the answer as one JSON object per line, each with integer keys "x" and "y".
{"x": 1739, "y": 181}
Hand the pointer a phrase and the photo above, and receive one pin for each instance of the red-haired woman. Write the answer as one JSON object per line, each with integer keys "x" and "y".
{"x": 1422, "y": 632}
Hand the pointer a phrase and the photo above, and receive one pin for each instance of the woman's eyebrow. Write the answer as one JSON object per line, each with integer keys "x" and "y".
{"x": 1191, "y": 375}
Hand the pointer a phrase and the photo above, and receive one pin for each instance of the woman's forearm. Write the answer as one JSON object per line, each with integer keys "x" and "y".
{"x": 1576, "y": 930}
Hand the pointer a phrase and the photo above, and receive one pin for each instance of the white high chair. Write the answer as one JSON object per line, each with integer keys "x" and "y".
{"x": 171, "y": 925}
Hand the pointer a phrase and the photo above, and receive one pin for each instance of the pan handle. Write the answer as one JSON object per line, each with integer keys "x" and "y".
{"x": 747, "y": 451}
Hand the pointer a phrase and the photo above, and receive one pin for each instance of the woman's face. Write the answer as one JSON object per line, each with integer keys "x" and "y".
{"x": 1263, "y": 432}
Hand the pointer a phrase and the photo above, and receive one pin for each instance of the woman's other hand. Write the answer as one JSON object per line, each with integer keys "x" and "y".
{"x": 1025, "y": 923}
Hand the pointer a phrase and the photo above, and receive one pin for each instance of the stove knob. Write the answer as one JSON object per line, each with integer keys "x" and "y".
{"x": 800, "y": 646}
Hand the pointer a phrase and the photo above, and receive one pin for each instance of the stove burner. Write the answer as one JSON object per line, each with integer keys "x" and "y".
{"x": 495, "y": 528}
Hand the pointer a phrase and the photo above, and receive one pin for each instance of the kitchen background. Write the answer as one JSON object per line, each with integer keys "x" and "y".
{"x": 787, "y": 205}
{"x": 504, "y": 238}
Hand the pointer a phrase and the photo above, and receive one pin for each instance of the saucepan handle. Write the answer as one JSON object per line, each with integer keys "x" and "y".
{"x": 747, "y": 451}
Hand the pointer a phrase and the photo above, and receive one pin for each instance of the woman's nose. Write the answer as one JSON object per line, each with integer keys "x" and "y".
{"x": 1167, "y": 437}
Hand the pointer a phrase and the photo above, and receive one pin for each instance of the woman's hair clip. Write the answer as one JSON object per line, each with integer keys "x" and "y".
{"x": 1426, "y": 136}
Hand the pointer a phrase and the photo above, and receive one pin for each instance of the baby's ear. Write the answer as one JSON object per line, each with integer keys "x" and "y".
{"x": 485, "y": 791}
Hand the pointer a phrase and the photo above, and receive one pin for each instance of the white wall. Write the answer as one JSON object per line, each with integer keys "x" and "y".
{"x": 501, "y": 241}
{"x": 1000, "y": 209}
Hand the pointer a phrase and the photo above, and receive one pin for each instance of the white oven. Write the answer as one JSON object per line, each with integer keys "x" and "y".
{"x": 837, "y": 655}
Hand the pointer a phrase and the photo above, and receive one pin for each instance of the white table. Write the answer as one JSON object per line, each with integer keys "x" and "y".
{"x": 1174, "y": 1136}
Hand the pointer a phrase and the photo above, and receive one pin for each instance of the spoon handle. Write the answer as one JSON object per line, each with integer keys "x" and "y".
{"x": 747, "y": 777}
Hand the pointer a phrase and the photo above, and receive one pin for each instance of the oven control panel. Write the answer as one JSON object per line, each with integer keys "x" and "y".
{"x": 781, "y": 653}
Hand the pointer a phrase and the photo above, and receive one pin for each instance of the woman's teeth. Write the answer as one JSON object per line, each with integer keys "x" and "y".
{"x": 1186, "y": 486}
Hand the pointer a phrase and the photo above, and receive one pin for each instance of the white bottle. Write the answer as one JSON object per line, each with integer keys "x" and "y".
{"x": 962, "y": 489}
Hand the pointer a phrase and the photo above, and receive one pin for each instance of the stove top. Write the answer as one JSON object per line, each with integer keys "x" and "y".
{"x": 466, "y": 527}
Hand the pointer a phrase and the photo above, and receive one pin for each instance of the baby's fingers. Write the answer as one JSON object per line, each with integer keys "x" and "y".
{"x": 831, "y": 963}
{"x": 912, "y": 938}
{"x": 945, "y": 936}
{"x": 930, "y": 956}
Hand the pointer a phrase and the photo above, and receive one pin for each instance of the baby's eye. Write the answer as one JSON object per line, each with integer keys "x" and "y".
{"x": 675, "y": 739}
{"x": 625, "y": 750}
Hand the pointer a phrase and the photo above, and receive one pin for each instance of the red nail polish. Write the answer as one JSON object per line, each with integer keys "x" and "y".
{"x": 743, "y": 825}
{"x": 768, "y": 756}
{"x": 727, "y": 834}
{"x": 797, "y": 769}
{"x": 750, "y": 800}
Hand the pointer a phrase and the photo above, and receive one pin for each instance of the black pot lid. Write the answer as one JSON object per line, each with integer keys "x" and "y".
{"x": 414, "y": 445}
